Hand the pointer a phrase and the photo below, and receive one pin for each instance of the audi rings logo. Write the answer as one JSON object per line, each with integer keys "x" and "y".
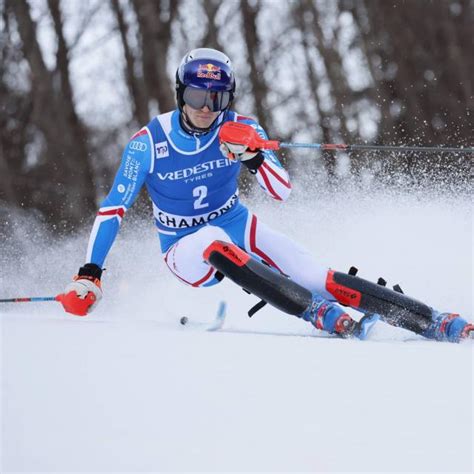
{"x": 138, "y": 146}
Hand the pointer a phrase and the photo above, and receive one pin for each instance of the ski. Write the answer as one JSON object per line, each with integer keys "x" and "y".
{"x": 365, "y": 325}
{"x": 215, "y": 325}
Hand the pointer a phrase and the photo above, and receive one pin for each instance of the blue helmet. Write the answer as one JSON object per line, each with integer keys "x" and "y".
{"x": 205, "y": 77}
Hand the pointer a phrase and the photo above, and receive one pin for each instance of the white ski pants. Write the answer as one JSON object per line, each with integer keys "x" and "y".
{"x": 186, "y": 262}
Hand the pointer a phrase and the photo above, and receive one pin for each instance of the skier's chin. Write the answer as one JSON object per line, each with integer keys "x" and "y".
{"x": 202, "y": 123}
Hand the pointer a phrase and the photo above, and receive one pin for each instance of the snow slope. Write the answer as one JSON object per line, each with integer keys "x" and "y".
{"x": 128, "y": 389}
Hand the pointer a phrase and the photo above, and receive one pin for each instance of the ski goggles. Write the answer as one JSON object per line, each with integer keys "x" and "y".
{"x": 199, "y": 98}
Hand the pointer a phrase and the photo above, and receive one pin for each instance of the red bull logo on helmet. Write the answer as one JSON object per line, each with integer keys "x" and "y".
{"x": 209, "y": 71}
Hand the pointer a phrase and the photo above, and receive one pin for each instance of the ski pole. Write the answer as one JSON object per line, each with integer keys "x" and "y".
{"x": 235, "y": 132}
{"x": 343, "y": 147}
{"x": 32, "y": 299}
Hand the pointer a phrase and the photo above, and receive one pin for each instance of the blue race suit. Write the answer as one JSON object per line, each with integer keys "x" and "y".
{"x": 190, "y": 182}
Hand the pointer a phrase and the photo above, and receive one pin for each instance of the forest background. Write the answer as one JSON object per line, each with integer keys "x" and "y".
{"x": 78, "y": 78}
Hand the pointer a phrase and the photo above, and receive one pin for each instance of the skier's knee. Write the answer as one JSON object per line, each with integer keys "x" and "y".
{"x": 211, "y": 234}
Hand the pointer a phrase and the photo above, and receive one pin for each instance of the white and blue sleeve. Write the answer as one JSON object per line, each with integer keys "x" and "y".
{"x": 136, "y": 164}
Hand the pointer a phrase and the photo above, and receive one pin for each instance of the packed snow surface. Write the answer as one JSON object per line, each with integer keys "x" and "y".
{"x": 128, "y": 389}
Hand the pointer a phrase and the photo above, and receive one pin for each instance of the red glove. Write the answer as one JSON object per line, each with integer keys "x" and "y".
{"x": 82, "y": 295}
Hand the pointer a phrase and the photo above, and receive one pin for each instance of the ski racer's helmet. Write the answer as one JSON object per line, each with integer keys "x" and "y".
{"x": 205, "y": 77}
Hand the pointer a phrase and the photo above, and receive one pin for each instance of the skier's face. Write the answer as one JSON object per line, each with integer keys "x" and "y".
{"x": 201, "y": 118}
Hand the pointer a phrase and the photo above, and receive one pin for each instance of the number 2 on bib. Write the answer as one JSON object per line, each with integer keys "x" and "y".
{"x": 200, "y": 192}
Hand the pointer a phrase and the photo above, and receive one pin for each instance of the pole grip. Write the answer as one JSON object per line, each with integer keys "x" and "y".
{"x": 269, "y": 145}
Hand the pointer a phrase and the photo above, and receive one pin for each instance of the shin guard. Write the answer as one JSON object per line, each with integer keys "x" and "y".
{"x": 394, "y": 307}
{"x": 258, "y": 278}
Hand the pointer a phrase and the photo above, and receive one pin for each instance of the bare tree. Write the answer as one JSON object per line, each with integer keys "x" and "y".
{"x": 155, "y": 18}
{"x": 250, "y": 11}
{"x": 425, "y": 67}
{"x": 11, "y": 130}
{"x": 135, "y": 83}
{"x": 62, "y": 183}
{"x": 333, "y": 65}
{"x": 303, "y": 20}
{"x": 422, "y": 74}
{"x": 211, "y": 39}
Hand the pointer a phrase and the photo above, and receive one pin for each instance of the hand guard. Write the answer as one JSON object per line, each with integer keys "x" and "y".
{"x": 235, "y": 151}
{"x": 239, "y": 141}
{"x": 82, "y": 295}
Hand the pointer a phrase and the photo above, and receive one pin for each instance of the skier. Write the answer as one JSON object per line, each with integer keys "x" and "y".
{"x": 189, "y": 160}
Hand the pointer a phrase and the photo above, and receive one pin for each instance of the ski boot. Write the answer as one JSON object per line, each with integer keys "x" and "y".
{"x": 327, "y": 316}
{"x": 449, "y": 327}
